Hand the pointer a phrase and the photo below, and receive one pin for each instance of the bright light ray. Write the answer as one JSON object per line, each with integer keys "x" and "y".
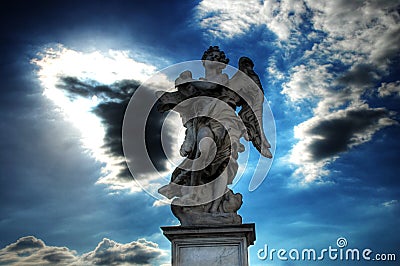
{"x": 104, "y": 68}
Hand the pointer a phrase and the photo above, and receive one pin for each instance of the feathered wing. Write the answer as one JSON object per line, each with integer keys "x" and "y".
{"x": 252, "y": 110}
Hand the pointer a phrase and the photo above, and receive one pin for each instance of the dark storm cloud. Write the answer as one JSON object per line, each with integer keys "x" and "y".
{"x": 111, "y": 111}
{"x": 338, "y": 134}
{"x": 121, "y": 90}
{"x": 57, "y": 257}
{"x": 360, "y": 75}
{"x": 112, "y": 115}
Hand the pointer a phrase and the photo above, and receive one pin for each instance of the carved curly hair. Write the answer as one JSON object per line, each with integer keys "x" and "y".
{"x": 220, "y": 58}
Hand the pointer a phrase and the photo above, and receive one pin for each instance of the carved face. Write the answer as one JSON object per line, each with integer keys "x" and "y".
{"x": 214, "y": 56}
{"x": 213, "y": 61}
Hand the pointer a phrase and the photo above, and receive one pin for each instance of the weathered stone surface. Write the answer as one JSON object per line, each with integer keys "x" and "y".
{"x": 189, "y": 216}
{"x": 210, "y": 245}
{"x": 207, "y": 106}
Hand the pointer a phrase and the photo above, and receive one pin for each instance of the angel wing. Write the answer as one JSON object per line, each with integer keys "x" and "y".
{"x": 247, "y": 85}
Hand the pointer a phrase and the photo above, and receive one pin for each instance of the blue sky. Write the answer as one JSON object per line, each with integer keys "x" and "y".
{"x": 331, "y": 77}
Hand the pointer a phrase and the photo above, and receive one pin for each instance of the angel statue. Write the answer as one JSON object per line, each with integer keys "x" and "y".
{"x": 207, "y": 106}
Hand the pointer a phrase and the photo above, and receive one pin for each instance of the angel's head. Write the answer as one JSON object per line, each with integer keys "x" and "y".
{"x": 215, "y": 55}
{"x": 245, "y": 64}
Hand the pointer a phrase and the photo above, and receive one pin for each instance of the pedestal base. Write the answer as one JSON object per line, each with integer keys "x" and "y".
{"x": 210, "y": 245}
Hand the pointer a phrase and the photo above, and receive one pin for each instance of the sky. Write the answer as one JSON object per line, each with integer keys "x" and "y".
{"x": 331, "y": 76}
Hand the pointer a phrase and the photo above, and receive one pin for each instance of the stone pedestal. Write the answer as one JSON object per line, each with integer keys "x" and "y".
{"x": 210, "y": 245}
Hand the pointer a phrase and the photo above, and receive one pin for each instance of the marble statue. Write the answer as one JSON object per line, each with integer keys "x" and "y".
{"x": 208, "y": 108}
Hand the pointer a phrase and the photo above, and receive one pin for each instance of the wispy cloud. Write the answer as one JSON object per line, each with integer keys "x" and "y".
{"x": 230, "y": 18}
{"x": 390, "y": 203}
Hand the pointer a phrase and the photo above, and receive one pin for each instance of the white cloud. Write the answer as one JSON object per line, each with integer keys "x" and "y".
{"x": 159, "y": 203}
{"x": 357, "y": 31}
{"x": 353, "y": 44}
{"x": 391, "y": 88}
{"x": 105, "y": 68}
{"x": 273, "y": 71}
{"x": 390, "y": 203}
{"x": 32, "y": 251}
{"x": 229, "y": 18}
{"x": 109, "y": 252}
{"x": 308, "y": 81}
{"x": 354, "y": 33}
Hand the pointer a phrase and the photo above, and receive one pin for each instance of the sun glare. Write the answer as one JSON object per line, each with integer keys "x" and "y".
{"x": 106, "y": 69}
